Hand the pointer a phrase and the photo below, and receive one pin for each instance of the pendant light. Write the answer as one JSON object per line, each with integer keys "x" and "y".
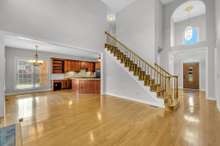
{"x": 36, "y": 61}
{"x": 189, "y": 28}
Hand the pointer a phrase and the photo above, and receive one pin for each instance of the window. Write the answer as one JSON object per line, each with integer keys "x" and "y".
{"x": 29, "y": 76}
{"x": 190, "y": 36}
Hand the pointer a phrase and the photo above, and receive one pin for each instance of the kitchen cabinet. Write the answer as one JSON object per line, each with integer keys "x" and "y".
{"x": 86, "y": 86}
{"x": 75, "y": 66}
{"x": 67, "y": 65}
{"x": 71, "y": 65}
{"x": 57, "y": 66}
{"x": 84, "y": 65}
{"x": 89, "y": 66}
{"x": 97, "y": 66}
{"x": 65, "y": 84}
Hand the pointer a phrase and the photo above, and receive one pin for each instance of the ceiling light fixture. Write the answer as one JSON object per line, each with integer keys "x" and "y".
{"x": 111, "y": 18}
{"x": 36, "y": 61}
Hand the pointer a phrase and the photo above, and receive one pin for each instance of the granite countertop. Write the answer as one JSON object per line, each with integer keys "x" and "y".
{"x": 84, "y": 78}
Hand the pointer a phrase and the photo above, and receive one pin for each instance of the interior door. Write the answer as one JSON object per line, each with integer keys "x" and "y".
{"x": 191, "y": 75}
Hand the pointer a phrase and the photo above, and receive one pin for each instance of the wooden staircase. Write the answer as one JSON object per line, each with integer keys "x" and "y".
{"x": 159, "y": 80}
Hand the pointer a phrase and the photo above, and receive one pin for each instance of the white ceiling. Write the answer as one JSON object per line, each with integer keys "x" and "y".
{"x": 118, "y": 5}
{"x": 166, "y": 1}
{"x": 25, "y": 43}
{"x": 198, "y": 9}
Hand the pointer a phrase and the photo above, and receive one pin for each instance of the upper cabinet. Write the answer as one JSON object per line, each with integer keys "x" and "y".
{"x": 57, "y": 66}
{"x": 67, "y": 66}
{"x": 76, "y": 66}
{"x": 89, "y": 66}
{"x": 97, "y": 66}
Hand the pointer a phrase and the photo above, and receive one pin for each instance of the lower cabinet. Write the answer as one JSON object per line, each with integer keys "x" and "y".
{"x": 86, "y": 86}
{"x": 65, "y": 84}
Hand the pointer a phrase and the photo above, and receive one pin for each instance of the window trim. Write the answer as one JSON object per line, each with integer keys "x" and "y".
{"x": 15, "y": 75}
{"x": 198, "y": 35}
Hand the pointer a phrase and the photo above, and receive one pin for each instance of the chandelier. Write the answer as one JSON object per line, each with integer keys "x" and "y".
{"x": 36, "y": 61}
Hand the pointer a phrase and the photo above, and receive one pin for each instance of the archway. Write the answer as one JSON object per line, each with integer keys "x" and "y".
{"x": 188, "y": 24}
{"x": 188, "y": 34}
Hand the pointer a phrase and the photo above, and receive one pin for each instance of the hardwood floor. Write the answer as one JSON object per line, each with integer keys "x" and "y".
{"x": 65, "y": 119}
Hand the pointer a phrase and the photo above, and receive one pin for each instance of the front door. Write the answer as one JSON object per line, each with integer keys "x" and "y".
{"x": 191, "y": 75}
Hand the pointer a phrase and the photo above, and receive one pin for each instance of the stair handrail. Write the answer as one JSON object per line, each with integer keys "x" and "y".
{"x": 130, "y": 50}
{"x": 165, "y": 71}
{"x": 169, "y": 80}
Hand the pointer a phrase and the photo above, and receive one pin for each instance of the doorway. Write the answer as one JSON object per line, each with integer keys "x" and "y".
{"x": 191, "y": 75}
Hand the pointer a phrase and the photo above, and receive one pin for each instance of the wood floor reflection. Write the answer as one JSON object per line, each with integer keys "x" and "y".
{"x": 66, "y": 119}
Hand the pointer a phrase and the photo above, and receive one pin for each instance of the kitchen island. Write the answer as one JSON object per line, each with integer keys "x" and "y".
{"x": 86, "y": 85}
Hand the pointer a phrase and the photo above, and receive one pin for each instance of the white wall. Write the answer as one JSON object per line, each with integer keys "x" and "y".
{"x": 187, "y": 57}
{"x": 136, "y": 28}
{"x": 2, "y": 76}
{"x": 158, "y": 29}
{"x": 121, "y": 83}
{"x": 199, "y": 22}
{"x": 210, "y": 41}
{"x": 217, "y": 64}
{"x": 78, "y": 23}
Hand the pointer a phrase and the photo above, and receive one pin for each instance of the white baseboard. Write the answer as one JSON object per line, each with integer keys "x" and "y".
{"x": 26, "y": 92}
{"x": 211, "y": 98}
{"x": 161, "y": 105}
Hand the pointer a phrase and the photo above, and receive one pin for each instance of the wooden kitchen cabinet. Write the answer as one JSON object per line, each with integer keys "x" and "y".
{"x": 71, "y": 65}
{"x": 75, "y": 66}
{"x": 86, "y": 86}
{"x": 65, "y": 84}
{"x": 84, "y": 65}
{"x": 97, "y": 66}
{"x": 67, "y": 65}
{"x": 57, "y": 66}
{"x": 89, "y": 66}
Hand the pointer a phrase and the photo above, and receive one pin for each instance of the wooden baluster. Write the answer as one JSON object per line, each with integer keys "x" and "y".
{"x": 177, "y": 90}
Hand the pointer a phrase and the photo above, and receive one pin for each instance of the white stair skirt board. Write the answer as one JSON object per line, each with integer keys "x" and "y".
{"x": 146, "y": 96}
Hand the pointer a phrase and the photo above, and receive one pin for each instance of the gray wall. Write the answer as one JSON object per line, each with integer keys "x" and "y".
{"x": 210, "y": 41}
{"x": 137, "y": 29}
{"x": 78, "y": 23}
{"x": 13, "y": 53}
{"x": 198, "y": 22}
{"x": 217, "y": 64}
{"x": 159, "y": 29}
{"x": 2, "y": 76}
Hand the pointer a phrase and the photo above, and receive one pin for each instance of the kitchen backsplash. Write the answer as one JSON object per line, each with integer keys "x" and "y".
{"x": 82, "y": 73}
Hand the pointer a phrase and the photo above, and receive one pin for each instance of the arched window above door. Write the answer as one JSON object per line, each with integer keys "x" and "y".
{"x": 191, "y": 36}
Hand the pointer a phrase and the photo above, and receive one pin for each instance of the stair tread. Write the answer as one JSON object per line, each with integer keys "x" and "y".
{"x": 144, "y": 76}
